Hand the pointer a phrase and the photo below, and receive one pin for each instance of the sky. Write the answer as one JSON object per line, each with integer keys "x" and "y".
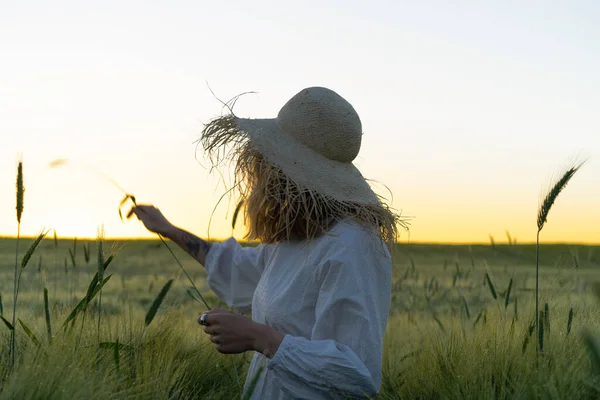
{"x": 469, "y": 108}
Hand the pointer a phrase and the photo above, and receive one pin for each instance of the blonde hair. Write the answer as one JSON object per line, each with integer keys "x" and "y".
{"x": 276, "y": 207}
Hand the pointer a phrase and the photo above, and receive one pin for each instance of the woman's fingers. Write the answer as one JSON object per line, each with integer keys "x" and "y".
{"x": 140, "y": 210}
{"x": 212, "y": 329}
{"x": 131, "y": 212}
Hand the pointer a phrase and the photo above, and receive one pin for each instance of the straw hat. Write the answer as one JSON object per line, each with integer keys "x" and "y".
{"x": 295, "y": 172}
{"x": 314, "y": 140}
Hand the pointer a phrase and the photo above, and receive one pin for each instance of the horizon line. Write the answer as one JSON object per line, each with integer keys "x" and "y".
{"x": 241, "y": 240}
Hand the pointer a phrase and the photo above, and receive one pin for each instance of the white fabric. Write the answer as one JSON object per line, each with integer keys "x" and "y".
{"x": 330, "y": 296}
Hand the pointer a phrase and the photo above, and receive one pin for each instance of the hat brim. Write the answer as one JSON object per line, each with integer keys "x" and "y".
{"x": 340, "y": 181}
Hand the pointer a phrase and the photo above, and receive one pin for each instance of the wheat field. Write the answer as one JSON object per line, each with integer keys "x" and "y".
{"x": 456, "y": 330}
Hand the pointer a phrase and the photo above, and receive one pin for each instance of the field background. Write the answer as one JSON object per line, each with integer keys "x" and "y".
{"x": 447, "y": 337}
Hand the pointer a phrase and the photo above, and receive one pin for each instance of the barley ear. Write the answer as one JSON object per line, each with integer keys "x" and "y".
{"x": 32, "y": 249}
{"x": 553, "y": 193}
{"x": 20, "y": 191}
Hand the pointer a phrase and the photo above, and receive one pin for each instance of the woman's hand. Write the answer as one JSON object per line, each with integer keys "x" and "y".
{"x": 152, "y": 218}
{"x": 234, "y": 333}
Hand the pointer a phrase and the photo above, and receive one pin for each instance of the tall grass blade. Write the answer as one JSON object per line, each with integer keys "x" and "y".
{"x": 100, "y": 258}
{"x": 507, "y": 296}
{"x": 47, "y": 315}
{"x": 537, "y": 282}
{"x": 479, "y": 317}
{"x": 491, "y": 286}
{"x": 466, "y": 306}
{"x": 190, "y": 293}
{"x": 29, "y": 333}
{"x": 32, "y": 249}
{"x": 541, "y": 331}
{"x": 1, "y": 307}
{"x": 101, "y": 262}
{"x": 437, "y": 320}
{"x": 570, "y": 321}
{"x": 72, "y": 256}
{"x": 547, "y": 318}
{"x": 157, "y": 302}
{"x": 8, "y": 324}
{"x": 86, "y": 252}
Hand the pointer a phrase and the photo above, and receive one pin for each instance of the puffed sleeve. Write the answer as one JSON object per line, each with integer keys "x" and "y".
{"x": 344, "y": 353}
{"x": 234, "y": 271}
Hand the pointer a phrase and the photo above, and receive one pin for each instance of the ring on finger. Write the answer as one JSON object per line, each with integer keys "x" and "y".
{"x": 202, "y": 320}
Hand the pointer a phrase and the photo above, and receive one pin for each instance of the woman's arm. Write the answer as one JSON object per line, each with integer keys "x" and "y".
{"x": 190, "y": 243}
{"x": 233, "y": 270}
{"x": 156, "y": 222}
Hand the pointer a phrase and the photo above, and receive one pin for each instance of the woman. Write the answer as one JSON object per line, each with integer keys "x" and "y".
{"x": 318, "y": 285}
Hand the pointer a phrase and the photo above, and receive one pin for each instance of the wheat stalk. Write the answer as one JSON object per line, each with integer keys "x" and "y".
{"x": 542, "y": 218}
{"x": 101, "y": 262}
{"x": 20, "y": 205}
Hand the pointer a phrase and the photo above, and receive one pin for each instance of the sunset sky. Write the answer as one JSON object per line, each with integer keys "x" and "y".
{"x": 469, "y": 108}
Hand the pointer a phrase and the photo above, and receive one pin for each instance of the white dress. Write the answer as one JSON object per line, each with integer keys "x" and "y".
{"x": 329, "y": 296}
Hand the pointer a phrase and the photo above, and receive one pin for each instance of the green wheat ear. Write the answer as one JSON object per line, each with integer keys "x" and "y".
{"x": 550, "y": 198}
{"x": 20, "y": 191}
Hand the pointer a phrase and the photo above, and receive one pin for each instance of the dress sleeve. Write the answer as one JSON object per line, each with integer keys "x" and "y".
{"x": 344, "y": 353}
{"x": 234, "y": 271}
